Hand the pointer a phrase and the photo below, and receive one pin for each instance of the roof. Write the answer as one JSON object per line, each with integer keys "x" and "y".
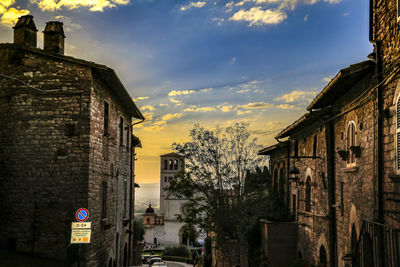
{"x": 305, "y": 120}
{"x": 340, "y": 84}
{"x": 268, "y": 150}
{"x": 26, "y": 21}
{"x": 102, "y": 72}
{"x": 174, "y": 154}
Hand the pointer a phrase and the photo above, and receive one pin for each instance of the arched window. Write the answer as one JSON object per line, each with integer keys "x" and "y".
{"x": 170, "y": 164}
{"x": 148, "y": 221}
{"x": 308, "y": 194}
{"x": 323, "y": 259}
{"x": 281, "y": 181}
{"x": 353, "y": 239}
{"x": 275, "y": 182}
{"x": 351, "y": 141}
{"x": 175, "y": 164}
{"x": 165, "y": 165}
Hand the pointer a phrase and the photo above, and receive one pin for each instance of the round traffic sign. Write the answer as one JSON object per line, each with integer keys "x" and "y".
{"x": 82, "y": 214}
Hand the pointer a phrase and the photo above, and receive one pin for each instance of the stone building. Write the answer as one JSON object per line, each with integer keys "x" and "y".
{"x": 343, "y": 178}
{"x": 66, "y": 142}
{"x": 164, "y": 228}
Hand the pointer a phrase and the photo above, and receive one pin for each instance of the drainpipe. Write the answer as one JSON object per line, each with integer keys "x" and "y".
{"x": 380, "y": 155}
{"x": 330, "y": 145}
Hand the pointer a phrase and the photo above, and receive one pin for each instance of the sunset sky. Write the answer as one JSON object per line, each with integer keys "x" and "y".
{"x": 209, "y": 61}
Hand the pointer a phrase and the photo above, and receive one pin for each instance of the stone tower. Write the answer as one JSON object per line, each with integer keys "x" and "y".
{"x": 171, "y": 164}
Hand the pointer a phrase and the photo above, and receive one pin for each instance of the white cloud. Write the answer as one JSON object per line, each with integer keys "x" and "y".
{"x": 10, "y": 15}
{"x": 182, "y": 92}
{"x": 147, "y": 107}
{"x": 242, "y": 112}
{"x": 92, "y": 5}
{"x": 256, "y": 105}
{"x": 202, "y": 109}
{"x": 176, "y": 102}
{"x": 69, "y": 25}
{"x": 206, "y": 89}
{"x": 327, "y": 79}
{"x": 286, "y": 106}
{"x": 233, "y": 60}
{"x": 296, "y": 95}
{"x": 242, "y": 91}
{"x": 140, "y": 98}
{"x": 306, "y": 17}
{"x": 219, "y": 21}
{"x": 256, "y": 16}
{"x": 198, "y": 4}
{"x": 171, "y": 116}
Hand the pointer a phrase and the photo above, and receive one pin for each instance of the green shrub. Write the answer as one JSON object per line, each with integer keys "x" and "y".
{"x": 180, "y": 251}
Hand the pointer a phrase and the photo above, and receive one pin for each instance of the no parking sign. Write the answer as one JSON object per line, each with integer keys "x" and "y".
{"x": 82, "y": 215}
{"x": 81, "y": 230}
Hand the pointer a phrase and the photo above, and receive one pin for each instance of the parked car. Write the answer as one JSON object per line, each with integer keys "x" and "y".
{"x": 154, "y": 260}
{"x": 159, "y": 264}
{"x": 146, "y": 259}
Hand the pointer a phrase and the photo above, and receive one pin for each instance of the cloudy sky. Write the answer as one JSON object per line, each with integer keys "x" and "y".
{"x": 209, "y": 61}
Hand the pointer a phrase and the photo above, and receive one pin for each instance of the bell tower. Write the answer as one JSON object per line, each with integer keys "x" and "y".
{"x": 171, "y": 164}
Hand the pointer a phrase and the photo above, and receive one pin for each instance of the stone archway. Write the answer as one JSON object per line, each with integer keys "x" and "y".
{"x": 187, "y": 235}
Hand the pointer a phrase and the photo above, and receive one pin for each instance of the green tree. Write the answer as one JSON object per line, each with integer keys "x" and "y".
{"x": 217, "y": 164}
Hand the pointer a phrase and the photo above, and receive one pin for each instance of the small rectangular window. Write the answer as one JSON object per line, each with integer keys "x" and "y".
{"x": 104, "y": 200}
{"x": 315, "y": 146}
{"x": 121, "y": 131}
{"x": 127, "y": 135}
{"x": 125, "y": 196}
{"x": 341, "y": 199}
{"x": 106, "y": 118}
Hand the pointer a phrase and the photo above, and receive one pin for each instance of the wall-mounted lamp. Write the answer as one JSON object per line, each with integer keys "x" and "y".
{"x": 294, "y": 174}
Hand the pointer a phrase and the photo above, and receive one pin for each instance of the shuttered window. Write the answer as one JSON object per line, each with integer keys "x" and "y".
{"x": 398, "y": 132}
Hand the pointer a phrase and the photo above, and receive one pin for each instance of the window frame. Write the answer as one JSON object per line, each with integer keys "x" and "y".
{"x": 106, "y": 118}
{"x": 104, "y": 200}
{"x": 121, "y": 131}
{"x": 307, "y": 201}
{"x": 350, "y": 154}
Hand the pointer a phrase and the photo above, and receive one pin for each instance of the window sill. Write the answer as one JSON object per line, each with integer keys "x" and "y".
{"x": 351, "y": 169}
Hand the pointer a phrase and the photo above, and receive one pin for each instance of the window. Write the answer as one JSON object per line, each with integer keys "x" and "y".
{"x": 170, "y": 164}
{"x": 165, "y": 179}
{"x": 175, "y": 164}
{"x": 104, "y": 200}
{"x": 323, "y": 259}
{"x": 281, "y": 182}
{"x": 308, "y": 194}
{"x": 351, "y": 141}
{"x": 106, "y": 115}
{"x": 121, "y": 131}
{"x": 398, "y": 10}
{"x": 315, "y": 146}
{"x": 127, "y": 135}
{"x": 398, "y": 133}
{"x": 294, "y": 206}
{"x": 125, "y": 197}
{"x": 341, "y": 199}
{"x": 165, "y": 165}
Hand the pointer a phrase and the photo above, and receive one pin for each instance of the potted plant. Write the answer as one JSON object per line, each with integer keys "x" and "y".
{"x": 343, "y": 154}
{"x": 356, "y": 150}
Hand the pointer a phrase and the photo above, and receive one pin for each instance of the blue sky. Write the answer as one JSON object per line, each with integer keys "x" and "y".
{"x": 208, "y": 62}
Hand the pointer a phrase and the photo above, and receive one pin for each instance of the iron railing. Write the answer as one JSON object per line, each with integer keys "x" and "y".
{"x": 378, "y": 245}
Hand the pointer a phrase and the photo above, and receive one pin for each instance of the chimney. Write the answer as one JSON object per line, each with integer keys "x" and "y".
{"x": 54, "y": 37}
{"x": 25, "y": 32}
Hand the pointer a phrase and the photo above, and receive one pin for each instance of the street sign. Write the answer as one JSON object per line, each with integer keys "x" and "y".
{"x": 82, "y": 215}
{"x": 81, "y": 232}
{"x": 80, "y": 236}
{"x": 80, "y": 225}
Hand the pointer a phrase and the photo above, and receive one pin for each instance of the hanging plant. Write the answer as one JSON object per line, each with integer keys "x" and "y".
{"x": 356, "y": 150}
{"x": 343, "y": 154}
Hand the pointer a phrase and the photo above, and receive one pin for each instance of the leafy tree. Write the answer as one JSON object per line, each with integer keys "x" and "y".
{"x": 225, "y": 187}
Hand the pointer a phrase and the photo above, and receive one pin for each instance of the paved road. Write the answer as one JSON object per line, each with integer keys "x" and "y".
{"x": 177, "y": 264}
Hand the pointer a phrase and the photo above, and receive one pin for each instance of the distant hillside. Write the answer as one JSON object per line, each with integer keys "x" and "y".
{"x": 148, "y": 193}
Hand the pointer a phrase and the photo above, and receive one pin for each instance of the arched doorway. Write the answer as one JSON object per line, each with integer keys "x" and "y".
{"x": 188, "y": 235}
{"x": 323, "y": 259}
{"x": 125, "y": 262}
{"x": 110, "y": 262}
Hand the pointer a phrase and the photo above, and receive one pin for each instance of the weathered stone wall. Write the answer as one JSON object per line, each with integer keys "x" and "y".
{"x": 54, "y": 157}
{"x": 355, "y": 183}
{"x": 44, "y": 151}
{"x": 313, "y": 224}
{"x": 387, "y": 33}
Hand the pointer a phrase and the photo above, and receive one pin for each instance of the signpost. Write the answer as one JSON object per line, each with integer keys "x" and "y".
{"x": 81, "y": 230}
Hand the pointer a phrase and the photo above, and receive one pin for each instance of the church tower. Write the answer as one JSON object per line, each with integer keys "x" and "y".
{"x": 171, "y": 164}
